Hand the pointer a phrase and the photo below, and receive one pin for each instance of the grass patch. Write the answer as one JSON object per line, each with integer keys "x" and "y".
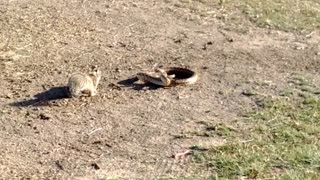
{"x": 280, "y": 14}
{"x": 282, "y": 142}
{"x": 212, "y": 130}
{"x": 286, "y": 15}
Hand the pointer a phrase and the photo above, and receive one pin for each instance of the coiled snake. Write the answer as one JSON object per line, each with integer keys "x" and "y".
{"x": 171, "y": 76}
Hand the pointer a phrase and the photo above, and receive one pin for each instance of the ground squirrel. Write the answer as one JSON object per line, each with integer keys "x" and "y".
{"x": 81, "y": 83}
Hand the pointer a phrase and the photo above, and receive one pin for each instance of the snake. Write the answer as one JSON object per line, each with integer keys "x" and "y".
{"x": 171, "y": 76}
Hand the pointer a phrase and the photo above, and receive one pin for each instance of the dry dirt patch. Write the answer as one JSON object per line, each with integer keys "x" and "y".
{"x": 129, "y": 132}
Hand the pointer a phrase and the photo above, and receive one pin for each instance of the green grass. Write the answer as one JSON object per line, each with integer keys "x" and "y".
{"x": 282, "y": 142}
{"x": 212, "y": 130}
{"x": 287, "y": 15}
{"x": 283, "y": 14}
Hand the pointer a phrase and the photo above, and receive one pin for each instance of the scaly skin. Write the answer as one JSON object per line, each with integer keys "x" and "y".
{"x": 167, "y": 77}
{"x": 192, "y": 75}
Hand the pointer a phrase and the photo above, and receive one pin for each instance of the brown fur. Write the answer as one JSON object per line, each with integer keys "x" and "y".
{"x": 80, "y": 83}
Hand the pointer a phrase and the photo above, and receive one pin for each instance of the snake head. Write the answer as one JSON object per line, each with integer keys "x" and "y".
{"x": 165, "y": 78}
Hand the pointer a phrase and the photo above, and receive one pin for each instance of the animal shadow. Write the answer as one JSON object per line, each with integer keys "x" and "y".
{"x": 132, "y": 82}
{"x": 44, "y": 98}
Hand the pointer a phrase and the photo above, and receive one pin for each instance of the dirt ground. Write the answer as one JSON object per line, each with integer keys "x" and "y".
{"x": 130, "y": 131}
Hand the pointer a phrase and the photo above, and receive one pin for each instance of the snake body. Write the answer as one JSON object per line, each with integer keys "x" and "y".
{"x": 171, "y": 76}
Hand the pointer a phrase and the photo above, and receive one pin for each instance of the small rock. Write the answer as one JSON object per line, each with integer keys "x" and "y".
{"x": 114, "y": 86}
{"x": 211, "y": 128}
{"x": 205, "y": 67}
{"x": 8, "y": 96}
{"x": 229, "y": 39}
{"x": 248, "y": 93}
{"x": 118, "y": 70}
{"x": 27, "y": 113}
{"x": 177, "y": 41}
{"x": 59, "y": 165}
{"x": 44, "y": 116}
{"x": 299, "y": 46}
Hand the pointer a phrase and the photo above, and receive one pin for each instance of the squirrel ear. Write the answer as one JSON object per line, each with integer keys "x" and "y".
{"x": 94, "y": 67}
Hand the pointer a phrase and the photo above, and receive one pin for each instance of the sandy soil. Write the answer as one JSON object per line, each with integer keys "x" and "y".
{"x": 130, "y": 131}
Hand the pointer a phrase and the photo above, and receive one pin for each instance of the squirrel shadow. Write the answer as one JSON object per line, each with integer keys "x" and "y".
{"x": 43, "y": 98}
{"x": 131, "y": 82}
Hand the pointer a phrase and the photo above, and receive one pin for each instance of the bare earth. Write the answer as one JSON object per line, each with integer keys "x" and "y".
{"x": 130, "y": 131}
